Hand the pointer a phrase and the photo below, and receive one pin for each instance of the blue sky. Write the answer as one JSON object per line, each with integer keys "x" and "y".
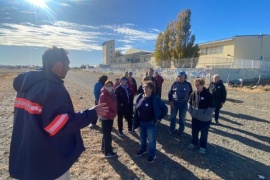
{"x": 81, "y": 26}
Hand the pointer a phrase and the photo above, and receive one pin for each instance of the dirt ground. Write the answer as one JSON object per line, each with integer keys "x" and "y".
{"x": 237, "y": 149}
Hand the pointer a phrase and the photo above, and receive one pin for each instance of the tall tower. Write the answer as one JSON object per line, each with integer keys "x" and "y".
{"x": 108, "y": 52}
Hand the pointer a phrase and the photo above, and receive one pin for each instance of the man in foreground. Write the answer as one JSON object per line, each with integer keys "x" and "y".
{"x": 46, "y": 139}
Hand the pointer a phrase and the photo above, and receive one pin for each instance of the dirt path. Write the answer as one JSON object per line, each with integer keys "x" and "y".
{"x": 238, "y": 149}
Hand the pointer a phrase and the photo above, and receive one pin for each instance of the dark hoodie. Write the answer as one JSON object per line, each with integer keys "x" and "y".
{"x": 46, "y": 137}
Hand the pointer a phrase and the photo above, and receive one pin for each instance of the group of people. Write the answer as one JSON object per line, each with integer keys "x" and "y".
{"x": 200, "y": 103}
{"x": 119, "y": 96}
{"x": 46, "y": 139}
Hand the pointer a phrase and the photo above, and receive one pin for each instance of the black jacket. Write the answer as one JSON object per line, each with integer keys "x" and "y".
{"x": 124, "y": 100}
{"x": 46, "y": 139}
{"x": 219, "y": 93}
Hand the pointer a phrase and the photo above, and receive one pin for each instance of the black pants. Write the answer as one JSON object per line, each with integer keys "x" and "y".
{"x": 95, "y": 121}
{"x": 217, "y": 114}
{"x": 159, "y": 89}
{"x": 107, "y": 135}
{"x": 198, "y": 126}
{"x": 128, "y": 117}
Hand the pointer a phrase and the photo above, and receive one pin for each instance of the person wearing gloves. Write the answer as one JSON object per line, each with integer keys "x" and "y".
{"x": 46, "y": 139}
{"x": 149, "y": 111}
{"x": 107, "y": 96}
{"x": 201, "y": 108}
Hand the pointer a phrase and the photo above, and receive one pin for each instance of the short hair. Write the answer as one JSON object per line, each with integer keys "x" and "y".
{"x": 108, "y": 82}
{"x": 151, "y": 85}
{"x": 52, "y": 56}
{"x": 146, "y": 78}
{"x": 102, "y": 79}
{"x": 200, "y": 81}
{"x": 215, "y": 75}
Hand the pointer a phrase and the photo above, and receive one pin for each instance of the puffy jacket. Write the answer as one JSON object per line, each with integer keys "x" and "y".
{"x": 46, "y": 137}
{"x": 201, "y": 105}
{"x": 110, "y": 99}
{"x": 160, "y": 110}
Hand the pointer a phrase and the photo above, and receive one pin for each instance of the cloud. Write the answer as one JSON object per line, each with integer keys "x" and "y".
{"x": 71, "y": 36}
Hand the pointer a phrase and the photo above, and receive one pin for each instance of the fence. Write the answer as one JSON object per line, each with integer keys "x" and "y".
{"x": 234, "y": 63}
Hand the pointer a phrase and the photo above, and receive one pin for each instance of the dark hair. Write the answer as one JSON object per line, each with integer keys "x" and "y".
{"x": 151, "y": 85}
{"x": 102, "y": 79}
{"x": 52, "y": 56}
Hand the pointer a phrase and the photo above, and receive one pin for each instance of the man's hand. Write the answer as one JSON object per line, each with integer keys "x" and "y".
{"x": 102, "y": 109}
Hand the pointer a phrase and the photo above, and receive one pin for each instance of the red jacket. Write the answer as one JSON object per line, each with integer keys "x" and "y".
{"x": 159, "y": 80}
{"x": 110, "y": 99}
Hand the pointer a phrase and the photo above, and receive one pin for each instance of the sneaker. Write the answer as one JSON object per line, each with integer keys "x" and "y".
{"x": 202, "y": 150}
{"x": 171, "y": 132}
{"x": 151, "y": 159}
{"x": 141, "y": 152}
{"x": 120, "y": 133}
{"x": 192, "y": 146}
{"x": 109, "y": 155}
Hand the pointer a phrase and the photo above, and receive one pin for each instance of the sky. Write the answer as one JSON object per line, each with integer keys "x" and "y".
{"x": 29, "y": 27}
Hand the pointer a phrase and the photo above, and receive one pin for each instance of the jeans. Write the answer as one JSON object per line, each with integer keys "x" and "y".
{"x": 107, "y": 136}
{"x": 198, "y": 126}
{"x": 216, "y": 114}
{"x": 182, "y": 108}
{"x": 148, "y": 130}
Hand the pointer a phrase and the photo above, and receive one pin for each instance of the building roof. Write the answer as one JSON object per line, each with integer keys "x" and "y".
{"x": 229, "y": 39}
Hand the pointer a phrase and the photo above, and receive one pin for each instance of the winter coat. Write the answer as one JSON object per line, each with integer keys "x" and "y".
{"x": 160, "y": 109}
{"x": 110, "y": 99}
{"x": 219, "y": 93}
{"x": 124, "y": 100}
{"x": 97, "y": 90}
{"x": 46, "y": 139}
{"x": 159, "y": 80}
{"x": 201, "y": 105}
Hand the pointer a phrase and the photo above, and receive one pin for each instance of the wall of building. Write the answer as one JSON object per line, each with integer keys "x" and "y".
{"x": 108, "y": 52}
{"x": 236, "y": 74}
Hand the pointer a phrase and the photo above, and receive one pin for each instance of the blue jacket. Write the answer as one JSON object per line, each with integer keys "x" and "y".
{"x": 46, "y": 137}
{"x": 97, "y": 90}
{"x": 160, "y": 110}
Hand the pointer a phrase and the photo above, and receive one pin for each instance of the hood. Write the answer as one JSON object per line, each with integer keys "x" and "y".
{"x": 25, "y": 81}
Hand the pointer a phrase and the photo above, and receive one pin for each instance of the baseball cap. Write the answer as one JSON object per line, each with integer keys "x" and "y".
{"x": 181, "y": 73}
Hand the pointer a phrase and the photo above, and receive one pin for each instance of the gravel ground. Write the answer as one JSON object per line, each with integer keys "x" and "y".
{"x": 237, "y": 149}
